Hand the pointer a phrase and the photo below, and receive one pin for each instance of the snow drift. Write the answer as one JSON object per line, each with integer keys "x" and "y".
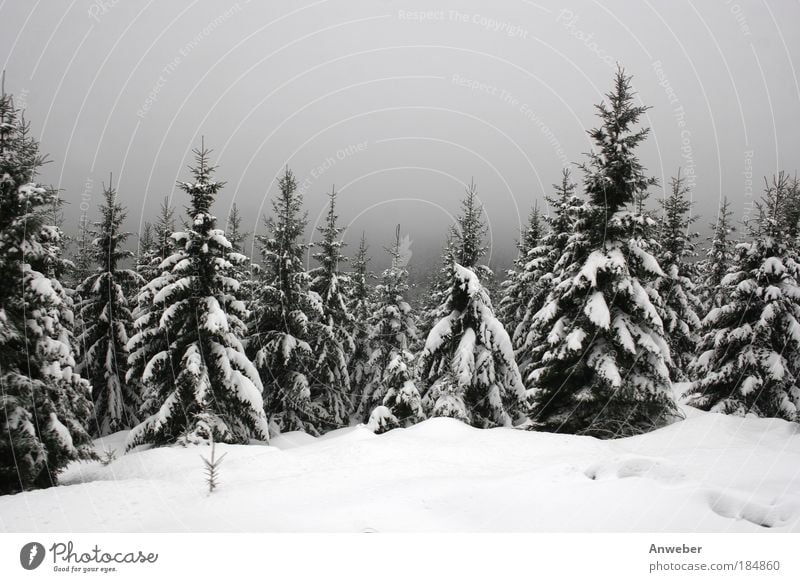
{"x": 708, "y": 473}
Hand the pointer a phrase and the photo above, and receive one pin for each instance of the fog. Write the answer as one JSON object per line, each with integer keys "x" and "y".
{"x": 396, "y": 107}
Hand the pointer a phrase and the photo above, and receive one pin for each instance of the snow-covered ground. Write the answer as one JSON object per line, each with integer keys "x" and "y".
{"x": 709, "y": 472}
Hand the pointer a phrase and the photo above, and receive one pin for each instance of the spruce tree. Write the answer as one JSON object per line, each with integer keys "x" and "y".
{"x": 144, "y": 251}
{"x": 601, "y": 368}
{"x": 467, "y": 367}
{"x": 681, "y": 305}
{"x": 434, "y": 303}
{"x": 391, "y": 384}
{"x": 149, "y": 338}
{"x": 470, "y": 233}
{"x": 236, "y": 236}
{"x": 333, "y": 340}
{"x": 243, "y": 269}
{"x": 286, "y": 312}
{"x": 45, "y": 405}
{"x": 216, "y": 393}
{"x": 467, "y": 364}
{"x": 719, "y": 258}
{"x": 514, "y": 301}
{"x": 163, "y": 230}
{"x": 542, "y": 267}
{"x": 362, "y": 306}
{"x": 749, "y": 358}
{"x": 108, "y": 322}
{"x": 464, "y": 245}
{"x": 82, "y": 256}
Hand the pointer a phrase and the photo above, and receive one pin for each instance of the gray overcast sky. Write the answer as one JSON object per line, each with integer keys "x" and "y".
{"x": 397, "y": 107}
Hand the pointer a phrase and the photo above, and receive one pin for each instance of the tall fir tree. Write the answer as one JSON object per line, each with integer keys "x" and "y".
{"x": 719, "y": 259}
{"x": 216, "y": 393}
{"x": 749, "y": 358}
{"x": 391, "y": 397}
{"x": 333, "y": 340}
{"x": 44, "y": 404}
{"x": 601, "y": 368}
{"x": 108, "y": 322}
{"x": 676, "y": 253}
{"x": 361, "y": 306}
{"x": 286, "y": 313}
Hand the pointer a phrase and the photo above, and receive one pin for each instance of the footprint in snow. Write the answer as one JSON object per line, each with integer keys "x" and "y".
{"x": 624, "y": 467}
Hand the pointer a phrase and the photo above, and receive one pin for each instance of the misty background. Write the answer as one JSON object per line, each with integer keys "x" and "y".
{"x": 399, "y": 104}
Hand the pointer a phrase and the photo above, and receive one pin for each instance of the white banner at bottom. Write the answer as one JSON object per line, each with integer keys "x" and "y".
{"x": 406, "y": 557}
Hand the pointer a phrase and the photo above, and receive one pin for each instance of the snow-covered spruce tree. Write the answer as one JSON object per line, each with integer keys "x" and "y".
{"x": 155, "y": 243}
{"x": 333, "y": 340}
{"x": 466, "y": 367}
{"x": 44, "y": 405}
{"x": 236, "y": 236}
{"x": 470, "y": 233}
{"x": 285, "y": 315}
{"x": 243, "y": 269}
{"x": 163, "y": 229}
{"x": 681, "y": 305}
{"x": 719, "y": 259}
{"x": 542, "y": 267}
{"x": 144, "y": 251}
{"x": 82, "y": 257}
{"x": 514, "y": 301}
{"x": 108, "y": 322}
{"x": 467, "y": 363}
{"x": 362, "y": 306}
{"x": 601, "y": 368}
{"x": 749, "y": 358}
{"x": 216, "y": 392}
{"x": 434, "y": 303}
{"x": 391, "y": 397}
{"x": 83, "y": 266}
{"x": 464, "y": 245}
{"x": 149, "y": 338}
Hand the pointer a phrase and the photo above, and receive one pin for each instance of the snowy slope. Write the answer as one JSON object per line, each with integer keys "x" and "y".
{"x": 709, "y": 472}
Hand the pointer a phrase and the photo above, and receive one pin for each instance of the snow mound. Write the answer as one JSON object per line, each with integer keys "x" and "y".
{"x": 709, "y": 472}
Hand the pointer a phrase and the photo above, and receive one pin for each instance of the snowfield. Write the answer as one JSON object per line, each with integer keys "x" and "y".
{"x": 708, "y": 473}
